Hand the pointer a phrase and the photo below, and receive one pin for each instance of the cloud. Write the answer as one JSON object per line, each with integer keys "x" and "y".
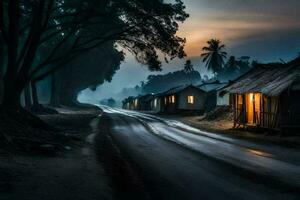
{"x": 237, "y": 22}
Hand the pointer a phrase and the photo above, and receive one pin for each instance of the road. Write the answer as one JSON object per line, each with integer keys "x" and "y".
{"x": 176, "y": 161}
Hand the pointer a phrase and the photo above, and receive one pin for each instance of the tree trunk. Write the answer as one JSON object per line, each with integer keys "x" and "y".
{"x": 54, "y": 99}
{"x": 11, "y": 98}
{"x": 27, "y": 95}
{"x": 35, "y": 98}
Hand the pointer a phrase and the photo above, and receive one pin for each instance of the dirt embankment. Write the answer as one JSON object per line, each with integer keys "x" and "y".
{"x": 71, "y": 172}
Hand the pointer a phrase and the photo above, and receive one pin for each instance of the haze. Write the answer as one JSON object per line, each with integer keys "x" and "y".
{"x": 265, "y": 30}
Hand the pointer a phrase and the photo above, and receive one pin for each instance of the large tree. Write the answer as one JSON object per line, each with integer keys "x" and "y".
{"x": 214, "y": 55}
{"x": 39, "y": 37}
{"x": 84, "y": 72}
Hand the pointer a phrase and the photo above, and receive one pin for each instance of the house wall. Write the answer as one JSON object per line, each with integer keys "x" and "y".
{"x": 223, "y": 100}
{"x": 264, "y": 110}
{"x": 171, "y": 107}
{"x": 199, "y": 99}
{"x": 289, "y": 109}
{"x": 211, "y": 101}
{"x": 157, "y": 107}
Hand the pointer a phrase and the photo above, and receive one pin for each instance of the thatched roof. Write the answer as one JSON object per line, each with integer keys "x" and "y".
{"x": 269, "y": 79}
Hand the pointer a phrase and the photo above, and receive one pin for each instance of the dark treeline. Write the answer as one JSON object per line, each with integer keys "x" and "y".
{"x": 230, "y": 70}
{"x": 160, "y": 83}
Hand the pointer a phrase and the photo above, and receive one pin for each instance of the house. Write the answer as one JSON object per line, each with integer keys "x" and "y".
{"x": 157, "y": 103}
{"x": 267, "y": 97}
{"x": 144, "y": 102}
{"x": 211, "y": 89}
{"x": 141, "y": 102}
{"x": 224, "y": 99}
{"x": 128, "y": 103}
{"x": 186, "y": 98}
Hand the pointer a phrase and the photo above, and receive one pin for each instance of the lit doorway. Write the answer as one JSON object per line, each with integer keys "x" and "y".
{"x": 250, "y": 108}
{"x": 253, "y": 108}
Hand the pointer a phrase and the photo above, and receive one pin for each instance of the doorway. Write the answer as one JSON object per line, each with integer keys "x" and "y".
{"x": 250, "y": 108}
{"x": 253, "y": 108}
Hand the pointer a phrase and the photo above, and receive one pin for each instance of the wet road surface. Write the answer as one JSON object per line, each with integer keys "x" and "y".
{"x": 176, "y": 161}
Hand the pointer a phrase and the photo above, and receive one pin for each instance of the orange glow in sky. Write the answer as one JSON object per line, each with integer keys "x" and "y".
{"x": 234, "y": 24}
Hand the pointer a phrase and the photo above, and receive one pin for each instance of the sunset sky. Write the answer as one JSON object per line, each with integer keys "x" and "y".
{"x": 265, "y": 30}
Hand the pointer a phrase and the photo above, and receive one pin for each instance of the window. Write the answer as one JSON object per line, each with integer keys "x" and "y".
{"x": 136, "y": 103}
{"x": 190, "y": 99}
{"x": 172, "y": 99}
{"x": 155, "y": 103}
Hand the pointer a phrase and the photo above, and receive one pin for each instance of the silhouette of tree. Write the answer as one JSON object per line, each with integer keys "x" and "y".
{"x": 188, "y": 66}
{"x": 39, "y": 37}
{"x": 231, "y": 65}
{"x": 160, "y": 83}
{"x": 214, "y": 55}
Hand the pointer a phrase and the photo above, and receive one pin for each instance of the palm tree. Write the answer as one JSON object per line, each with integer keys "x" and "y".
{"x": 214, "y": 55}
{"x": 188, "y": 66}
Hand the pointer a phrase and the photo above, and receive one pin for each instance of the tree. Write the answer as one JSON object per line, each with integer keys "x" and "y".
{"x": 162, "y": 82}
{"x": 39, "y": 37}
{"x": 82, "y": 73}
{"x": 230, "y": 70}
{"x": 188, "y": 66}
{"x": 231, "y": 65}
{"x": 214, "y": 55}
{"x": 111, "y": 102}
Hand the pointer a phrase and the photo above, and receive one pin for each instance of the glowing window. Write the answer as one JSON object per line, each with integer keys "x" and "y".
{"x": 155, "y": 103}
{"x": 172, "y": 99}
{"x": 190, "y": 99}
{"x": 136, "y": 103}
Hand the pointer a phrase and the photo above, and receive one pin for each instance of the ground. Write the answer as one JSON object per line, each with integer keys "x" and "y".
{"x": 72, "y": 173}
{"x": 118, "y": 154}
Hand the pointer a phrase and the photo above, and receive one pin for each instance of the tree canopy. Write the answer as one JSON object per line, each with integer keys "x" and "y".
{"x": 39, "y": 37}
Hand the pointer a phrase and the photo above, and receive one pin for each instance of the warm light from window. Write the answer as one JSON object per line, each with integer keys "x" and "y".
{"x": 136, "y": 103}
{"x": 173, "y": 99}
{"x": 190, "y": 99}
{"x": 251, "y": 97}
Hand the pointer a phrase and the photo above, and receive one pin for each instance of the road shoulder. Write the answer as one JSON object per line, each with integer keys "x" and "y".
{"x": 73, "y": 173}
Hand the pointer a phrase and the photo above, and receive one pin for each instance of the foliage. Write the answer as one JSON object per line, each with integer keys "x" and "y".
{"x": 160, "y": 83}
{"x": 39, "y": 37}
{"x": 188, "y": 66}
{"x": 214, "y": 55}
{"x": 234, "y": 68}
{"x": 111, "y": 102}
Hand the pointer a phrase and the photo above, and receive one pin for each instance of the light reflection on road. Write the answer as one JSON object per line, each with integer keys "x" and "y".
{"x": 234, "y": 151}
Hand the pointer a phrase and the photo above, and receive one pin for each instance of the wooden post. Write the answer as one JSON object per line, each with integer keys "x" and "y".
{"x": 234, "y": 104}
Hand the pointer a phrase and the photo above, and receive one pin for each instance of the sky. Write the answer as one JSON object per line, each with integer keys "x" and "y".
{"x": 265, "y": 30}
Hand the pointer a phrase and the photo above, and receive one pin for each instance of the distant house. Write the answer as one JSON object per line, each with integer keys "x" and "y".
{"x": 144, "y": 102}
{"x": 211, "y": 89}
{"x": 128, "y": 103}
{"x": 157, "y": 103}
{"x": 267, "y": 97}
{"x": 187, "y": 98}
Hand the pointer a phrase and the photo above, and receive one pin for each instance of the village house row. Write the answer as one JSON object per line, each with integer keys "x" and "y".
{"x": 265, "y": 97}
